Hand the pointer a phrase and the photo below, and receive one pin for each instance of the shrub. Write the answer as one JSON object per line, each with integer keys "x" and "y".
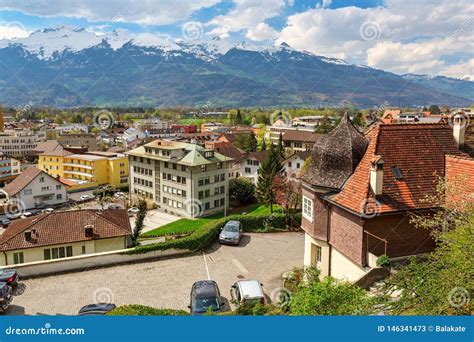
{"x": 383, "y": 261}
{"x": 142, "y": 310}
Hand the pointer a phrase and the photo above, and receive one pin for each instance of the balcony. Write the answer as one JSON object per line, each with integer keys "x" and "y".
{"x": 79, "y": 165}
{"x": 78, "y": 173}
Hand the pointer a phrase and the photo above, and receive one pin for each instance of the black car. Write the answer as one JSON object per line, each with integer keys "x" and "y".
{"x": 97, "y": 309}
{"x": 205, "y": 296}
{"x": 9, "y": 276}
{"x": 5, "y": 296}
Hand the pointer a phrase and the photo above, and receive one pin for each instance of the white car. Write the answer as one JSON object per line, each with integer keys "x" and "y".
{"x": 47, "y": 210}
{"x": 86, "y": 197}
{"x": 119, "y": 195}
{"x": 133, "y": 210}
{"x": 26, "y": 214}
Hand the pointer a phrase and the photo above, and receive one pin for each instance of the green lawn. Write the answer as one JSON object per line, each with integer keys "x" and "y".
{"x": 186, "y": 225}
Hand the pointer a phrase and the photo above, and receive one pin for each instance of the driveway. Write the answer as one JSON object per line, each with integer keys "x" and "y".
{"x": 164, "y": 283}
{"x": 155, "y": 219}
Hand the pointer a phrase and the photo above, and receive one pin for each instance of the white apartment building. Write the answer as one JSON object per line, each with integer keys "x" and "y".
{"x": 20, "y": 143}
{"x": 182, "y": 179}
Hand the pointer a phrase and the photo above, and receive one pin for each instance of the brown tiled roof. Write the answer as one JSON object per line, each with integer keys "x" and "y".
{"x": 301, "y": 154}
{"x": 298, "y": 135}
{"x": 417, "y": 150}
{"x": 459, "y": 180}
{"x": 232, "y": 152}
{"x": 22, "y": 180}
{"x": 46, "y": 146}
{"x": 65, "y": 227}
{"x": 116, "y": 149}
{"x": 259, "y": 155}
{"x": 336, "y": 155}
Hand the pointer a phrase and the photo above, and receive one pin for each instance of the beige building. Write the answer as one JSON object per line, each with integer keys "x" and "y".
{"x": 64, "y": 234}
{"x": 89, "y": 140}
{"x": 183, "y": 179}
{"x": 20, "y": 143}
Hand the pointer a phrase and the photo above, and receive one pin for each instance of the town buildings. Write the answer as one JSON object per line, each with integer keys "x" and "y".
{"x": 86, "y": 170}
{"x": 181, "y": 178}
{"x": 21, "y": 143}
{"x": 360, "y": 190}
{"x": 9, "y": 169}
{"x": 58, "y": 235}
{"x": 89, "y": 140}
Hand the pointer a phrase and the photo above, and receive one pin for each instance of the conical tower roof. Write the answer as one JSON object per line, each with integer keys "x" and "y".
{"x": 336, "y": 155}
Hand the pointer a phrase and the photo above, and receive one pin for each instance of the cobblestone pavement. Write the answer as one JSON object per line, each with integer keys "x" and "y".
{"x": 164, "y": 283}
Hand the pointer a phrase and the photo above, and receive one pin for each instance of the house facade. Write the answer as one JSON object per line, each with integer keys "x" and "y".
{"x": 35, "y": 188}
{"x": 181, "y": 178}
{"x": 360, "y": 191}
{"x": 250, "y": 165}
{"x": 64, "y": 234}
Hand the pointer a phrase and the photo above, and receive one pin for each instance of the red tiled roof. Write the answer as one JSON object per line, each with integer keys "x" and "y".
{"x": 459, "y": 180}
{"x": 298, "y": 135}
{"x": 418, "y": 150}
{"x": 65, "y": 227}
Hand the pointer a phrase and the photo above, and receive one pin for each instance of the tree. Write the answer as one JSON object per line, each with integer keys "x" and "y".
{"x": 264, "y": 145}
{"x": 238, "y": 118}
{"x": 434, "y": 109}
{"x": 269, "y": 169}
{"x": 280, "y": 149}
{"x": 288, "y": 196}
{"x": 247, "y": 142}
{"x": 137, "y": 230}
{"x": 241, "y": 189}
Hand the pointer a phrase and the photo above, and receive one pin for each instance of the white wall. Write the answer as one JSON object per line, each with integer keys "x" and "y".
{"x": 253, "y": 174}
{"x": 343, "y": 268}
{"x": 34, "y": 199}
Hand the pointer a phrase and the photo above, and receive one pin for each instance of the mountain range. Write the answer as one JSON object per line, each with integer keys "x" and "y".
{"x": 68, "y": 67}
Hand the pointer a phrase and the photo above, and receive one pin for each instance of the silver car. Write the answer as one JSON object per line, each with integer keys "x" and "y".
{"x": 247, "y": 291}
{"x": 231, "y": 233}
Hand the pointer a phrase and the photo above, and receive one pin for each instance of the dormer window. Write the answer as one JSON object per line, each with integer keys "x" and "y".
{"x": 397, "y": 173}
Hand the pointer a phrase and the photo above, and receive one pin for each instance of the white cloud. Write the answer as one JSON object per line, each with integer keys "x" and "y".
{"x": 261, "y": 32}
{"x": 327, "y": 3}
{"x": 401, "y": 36}
{"x": 147, "y": 12}
{"x": 12, "y": 30}
{"x": 246, "y": 15}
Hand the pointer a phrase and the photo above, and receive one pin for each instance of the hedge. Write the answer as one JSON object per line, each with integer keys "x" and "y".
{"x": 209, "y": 232}
{"x": 142, "y": 310}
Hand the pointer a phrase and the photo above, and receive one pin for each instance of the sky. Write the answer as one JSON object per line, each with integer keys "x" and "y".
{"x": 434, "y": 37}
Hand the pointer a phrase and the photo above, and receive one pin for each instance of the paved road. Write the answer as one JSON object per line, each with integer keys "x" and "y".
{"x": 164, "y": 283}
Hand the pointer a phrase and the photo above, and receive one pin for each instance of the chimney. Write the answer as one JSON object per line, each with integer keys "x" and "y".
{"x": 459, "y": 127}
{"x": 376, "y": 175}
{"x": 89, "y": 230}
{"x": 28, "y": 235}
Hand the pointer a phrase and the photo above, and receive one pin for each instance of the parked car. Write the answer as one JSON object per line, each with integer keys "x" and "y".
{"x": 47, "y": 210}
{"x": 205, "y": 295}
{"x": 119, "y": 195}
{"x": 86, "y": 197}
{"x": 26, "y": 214}
{"x": 133, "y": 210}
{"x": 114, "y": 206}
{"x": 9, "y": 276}
{"x": 5, "y": 296}
{"x": 5, "y": 222}
{"x": 245, "y": 291}
{"x": 97, "y": 309}
{"x": 231, "y": 233}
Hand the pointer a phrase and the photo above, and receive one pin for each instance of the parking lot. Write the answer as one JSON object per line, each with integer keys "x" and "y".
{"x": 164, "y": 283}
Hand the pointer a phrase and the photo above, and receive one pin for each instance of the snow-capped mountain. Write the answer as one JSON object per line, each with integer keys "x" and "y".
{"x": 72, "y": 66}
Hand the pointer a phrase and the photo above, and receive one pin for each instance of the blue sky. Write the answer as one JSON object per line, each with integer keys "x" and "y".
{"x": 425, "y": 36}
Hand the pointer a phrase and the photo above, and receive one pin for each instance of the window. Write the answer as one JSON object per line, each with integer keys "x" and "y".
{"x": 47, "y": 254}
{"x": 289, "y": 164}
{"x": 59, "y": 196}
{"x": 58, "y": 187}
{"x": 307, "y": 208}
{"x": 319, "y": 252}
{"x": 247, "y": 170}
{"x": 41, "y": 179}
{"x": 83, "y": 251}
{"x": 27, "y": 192}
{"x": 18, "y": 258}
{"x": 297, "y": 165}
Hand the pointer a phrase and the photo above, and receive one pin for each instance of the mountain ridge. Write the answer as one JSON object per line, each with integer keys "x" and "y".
{"x": 74, "y": 67}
